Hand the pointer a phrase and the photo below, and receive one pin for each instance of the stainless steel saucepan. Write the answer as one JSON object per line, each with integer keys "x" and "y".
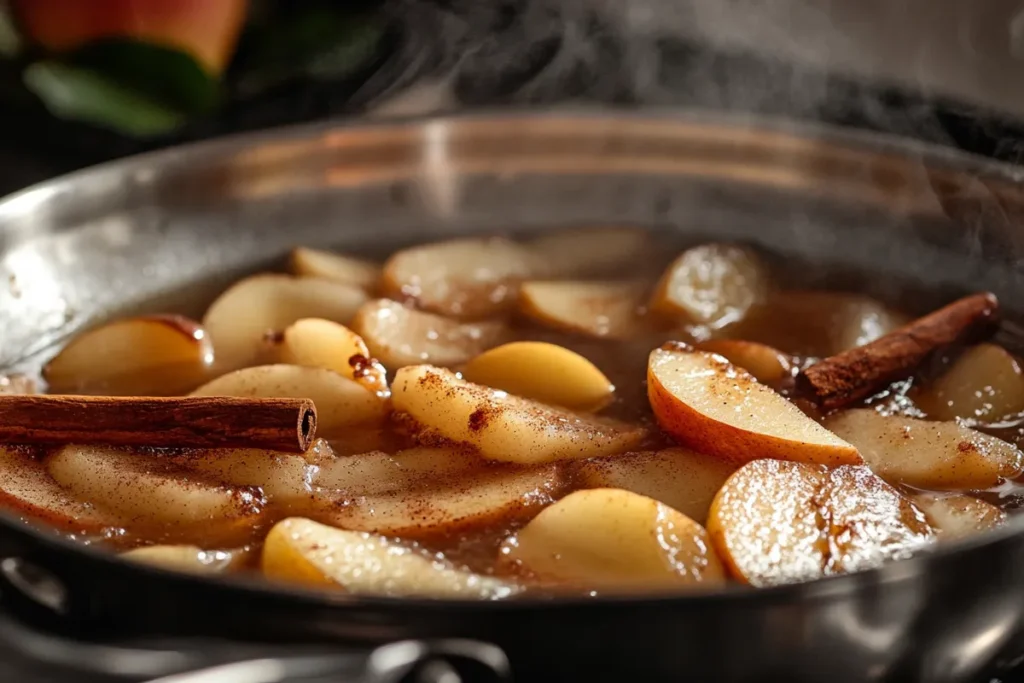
{"x": 174, "y": 226}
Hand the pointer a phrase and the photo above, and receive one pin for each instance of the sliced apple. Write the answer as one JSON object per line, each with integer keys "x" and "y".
{"x": 376, "y": 472}
{"x": 400, "y": 336}
{"x": 712, "y": 285}
{"x": 607, "y": 310}
{"x": 190, "y": 558}
{"x": 463, "y": 278}
{"x": 614, "y": 541}
{"x": 328, "y": 265}
{"x": 776, "y": 522}
{"x": 984, "y": 384}
{"x": 341, "y": 404}
{"x": 959, "y": 516}
{"x": 816, "y": 323}
{"x": 239, "y": 321}
{"x": 150, "y": 490}
{"x": 682, "y": 479}
{"x": 542, "y": 372}
{"x": 318, "y": 343}
{"x": 17, "y": 383}
{"x": 942, "y": 456}
{"x": 767, "y": 365}
{"x": 597, "y": 251}
{"x": 438, "y": 403}
{"x": 158, "y": 355}
{"x": 301, "y": 551}
{"x": 283, "y": 477}
{"x": 448, "y": 506}
{"x": 714, "y": 407}
{"x": 27, "y": 489}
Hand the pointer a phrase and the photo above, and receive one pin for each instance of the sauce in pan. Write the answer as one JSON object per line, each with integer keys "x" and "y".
{"x": 578, "y": 412}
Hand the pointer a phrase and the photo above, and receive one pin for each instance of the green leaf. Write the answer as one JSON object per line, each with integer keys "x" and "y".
{"x": 320, "y": 43}
{"x": 159, "y": 73}
{"x": 10, "y": 40}
{"x": 74, "y": 93}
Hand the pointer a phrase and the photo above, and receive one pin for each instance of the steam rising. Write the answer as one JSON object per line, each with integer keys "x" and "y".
{"x": 656, "y": 52}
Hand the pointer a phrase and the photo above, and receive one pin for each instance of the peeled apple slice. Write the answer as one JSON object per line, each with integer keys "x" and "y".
{"x": 682, "y": 479}
{"x": 188, "y": 558}
{"x": 449, "y": 505}
{"x": 767, "y": 365}
{"x": 341, "y": 404}
{"x": 400, "y": 336}
{"x": 148, "y": 489}
{"x": 328, "y": 265}
{"x": 318, "y": 343}
{"x": 816, "y": 323}
{"x": 777, "y": 522}
{"x": 542, "y": 372}
{"x": 591, "y": 252}
{"x": 375, "y": 473}
{"x": 959, "y": 516}
{"x": 26, "y": 488}
{"x": 438, "y": 404}
{"x": 942, "y": 456}
{"x": 614, "y": 541}
{"x": 985, "y": 383}
{"x": 241, "y": 318}
{"x": 302, "y": 551}
{"x": 283, "y": 477}
{"x": 158, "y": 355}
{"x": 712, "y": 285}
{"x": 714, "y": 407}
{"x": 464, "y": 278}
{"x": 607, "y": 310}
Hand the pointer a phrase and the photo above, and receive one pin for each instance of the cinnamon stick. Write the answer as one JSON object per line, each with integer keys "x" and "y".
{"x": 280, "y": 424}
{"x": 861, "y": 372}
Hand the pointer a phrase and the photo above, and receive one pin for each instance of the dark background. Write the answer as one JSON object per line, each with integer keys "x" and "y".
{"x": 519, "y": 53}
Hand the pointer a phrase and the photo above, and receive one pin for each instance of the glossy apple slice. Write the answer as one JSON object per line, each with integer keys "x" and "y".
{"x": 542, "y": 372}
{"x": 17, "y": 383}
{"x": 318, "y": 343}
{"x": 767, "y": 365}
{"x": 943, "y": 456}
{"x": 613, "y": 541}
{"x": 284, "y": 478}
{"x": 328, "y": 265}
{"x": 712, "y": 285}
{"x": 464, "y": 278}
{"x": 438, "y": 404}
{"x": 149, "y": 490}
{"x": 447, "y": 506}
{"x": 776, "y": 522}
{"x": 341, "y": 404}
{"x": 682, "y": 479}
{"x": 301, "y": 551}
{"x": 27, "y": 489}
{"x": 239, "y": 321}
{"x": 956, "y": 516}
{"x": 158, "y": 355}
{"x": 714, "y": 407}
{"x": 816, "y": 323}
{"x": 607, "y": 310}
{"x": 985, "y": 384}
{"x": 595, "y": 251}
{"x": 191, "y": 559}
{"x": 399, "y": 336}
{"x": 374, "y": 473}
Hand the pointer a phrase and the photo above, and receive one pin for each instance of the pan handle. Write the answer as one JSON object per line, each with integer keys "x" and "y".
{"x": 441, "y": 661}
